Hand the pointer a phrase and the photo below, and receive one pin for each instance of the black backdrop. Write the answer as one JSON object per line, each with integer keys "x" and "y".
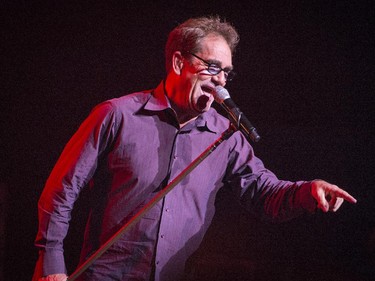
{"x": 305, "y": 79}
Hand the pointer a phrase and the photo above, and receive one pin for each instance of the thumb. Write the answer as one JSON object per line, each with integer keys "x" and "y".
{"x": 320, "y": 197}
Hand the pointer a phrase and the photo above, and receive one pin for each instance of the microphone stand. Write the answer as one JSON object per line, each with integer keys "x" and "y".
{"x": 150, "y": 204}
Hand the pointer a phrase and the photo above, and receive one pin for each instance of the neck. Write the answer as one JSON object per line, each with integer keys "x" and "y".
{"x": 183, "y": 115}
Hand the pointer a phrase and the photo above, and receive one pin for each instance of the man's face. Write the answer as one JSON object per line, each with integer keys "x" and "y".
{"x": 195, "y": 90}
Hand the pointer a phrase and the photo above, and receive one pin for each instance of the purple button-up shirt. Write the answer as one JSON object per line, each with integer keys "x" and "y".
{"x": 127, "y": 150}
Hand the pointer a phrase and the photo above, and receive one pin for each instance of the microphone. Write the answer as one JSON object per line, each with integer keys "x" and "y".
{"x": 237, "y": 118}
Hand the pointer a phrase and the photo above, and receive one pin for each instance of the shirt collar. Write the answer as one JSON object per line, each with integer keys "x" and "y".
{"x": 158, "y": 100}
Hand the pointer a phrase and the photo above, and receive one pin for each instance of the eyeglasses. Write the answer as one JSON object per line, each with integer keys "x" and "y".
{"x": 215, "y": 69}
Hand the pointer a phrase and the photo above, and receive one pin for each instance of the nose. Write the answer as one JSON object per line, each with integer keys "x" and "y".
{"x": 219, "y": 79}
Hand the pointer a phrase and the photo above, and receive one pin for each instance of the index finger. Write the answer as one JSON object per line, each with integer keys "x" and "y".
{"x": 345, "y": 195}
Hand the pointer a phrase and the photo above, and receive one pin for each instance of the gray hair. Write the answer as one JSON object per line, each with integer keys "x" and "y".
{"x": 187, "y": 36}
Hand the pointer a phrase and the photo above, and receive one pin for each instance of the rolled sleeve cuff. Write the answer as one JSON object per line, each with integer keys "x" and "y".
{"x": 53, "y": 262}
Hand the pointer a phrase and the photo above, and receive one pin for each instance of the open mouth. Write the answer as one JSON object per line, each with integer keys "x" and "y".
{"x": 202, "y": 102}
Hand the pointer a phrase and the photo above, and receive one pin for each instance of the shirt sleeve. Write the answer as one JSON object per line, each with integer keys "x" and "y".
{"x": 73, "y": 170}
{"x": 261, "y": 191}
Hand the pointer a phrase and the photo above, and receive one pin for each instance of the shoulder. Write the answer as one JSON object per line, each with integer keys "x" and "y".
{"x": 116, "y": 110}
{"x": 126, "y": 103}
{"x": 133, "y": 100}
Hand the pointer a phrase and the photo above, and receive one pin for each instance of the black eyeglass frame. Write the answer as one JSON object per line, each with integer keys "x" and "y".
{"x": 214, "y": 69}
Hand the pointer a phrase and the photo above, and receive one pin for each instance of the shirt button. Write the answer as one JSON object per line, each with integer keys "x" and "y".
{"x": 167, "y": 210}
{"x": 162, "y": 236}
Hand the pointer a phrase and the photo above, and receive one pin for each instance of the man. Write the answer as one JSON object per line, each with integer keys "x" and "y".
{"x": 131, "y": 147}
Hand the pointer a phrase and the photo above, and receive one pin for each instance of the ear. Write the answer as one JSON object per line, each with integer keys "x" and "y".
{"x": 177, "y": 62}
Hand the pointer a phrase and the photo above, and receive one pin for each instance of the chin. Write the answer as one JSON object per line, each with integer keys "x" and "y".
{"x": 206, "y": 109}
{"x": 201, "y": 109}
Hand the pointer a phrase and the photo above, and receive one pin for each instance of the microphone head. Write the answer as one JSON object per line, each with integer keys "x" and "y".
{"x": 221, "y": 94}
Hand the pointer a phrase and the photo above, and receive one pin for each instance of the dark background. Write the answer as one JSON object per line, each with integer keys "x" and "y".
{"x": 305, "y": 80}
